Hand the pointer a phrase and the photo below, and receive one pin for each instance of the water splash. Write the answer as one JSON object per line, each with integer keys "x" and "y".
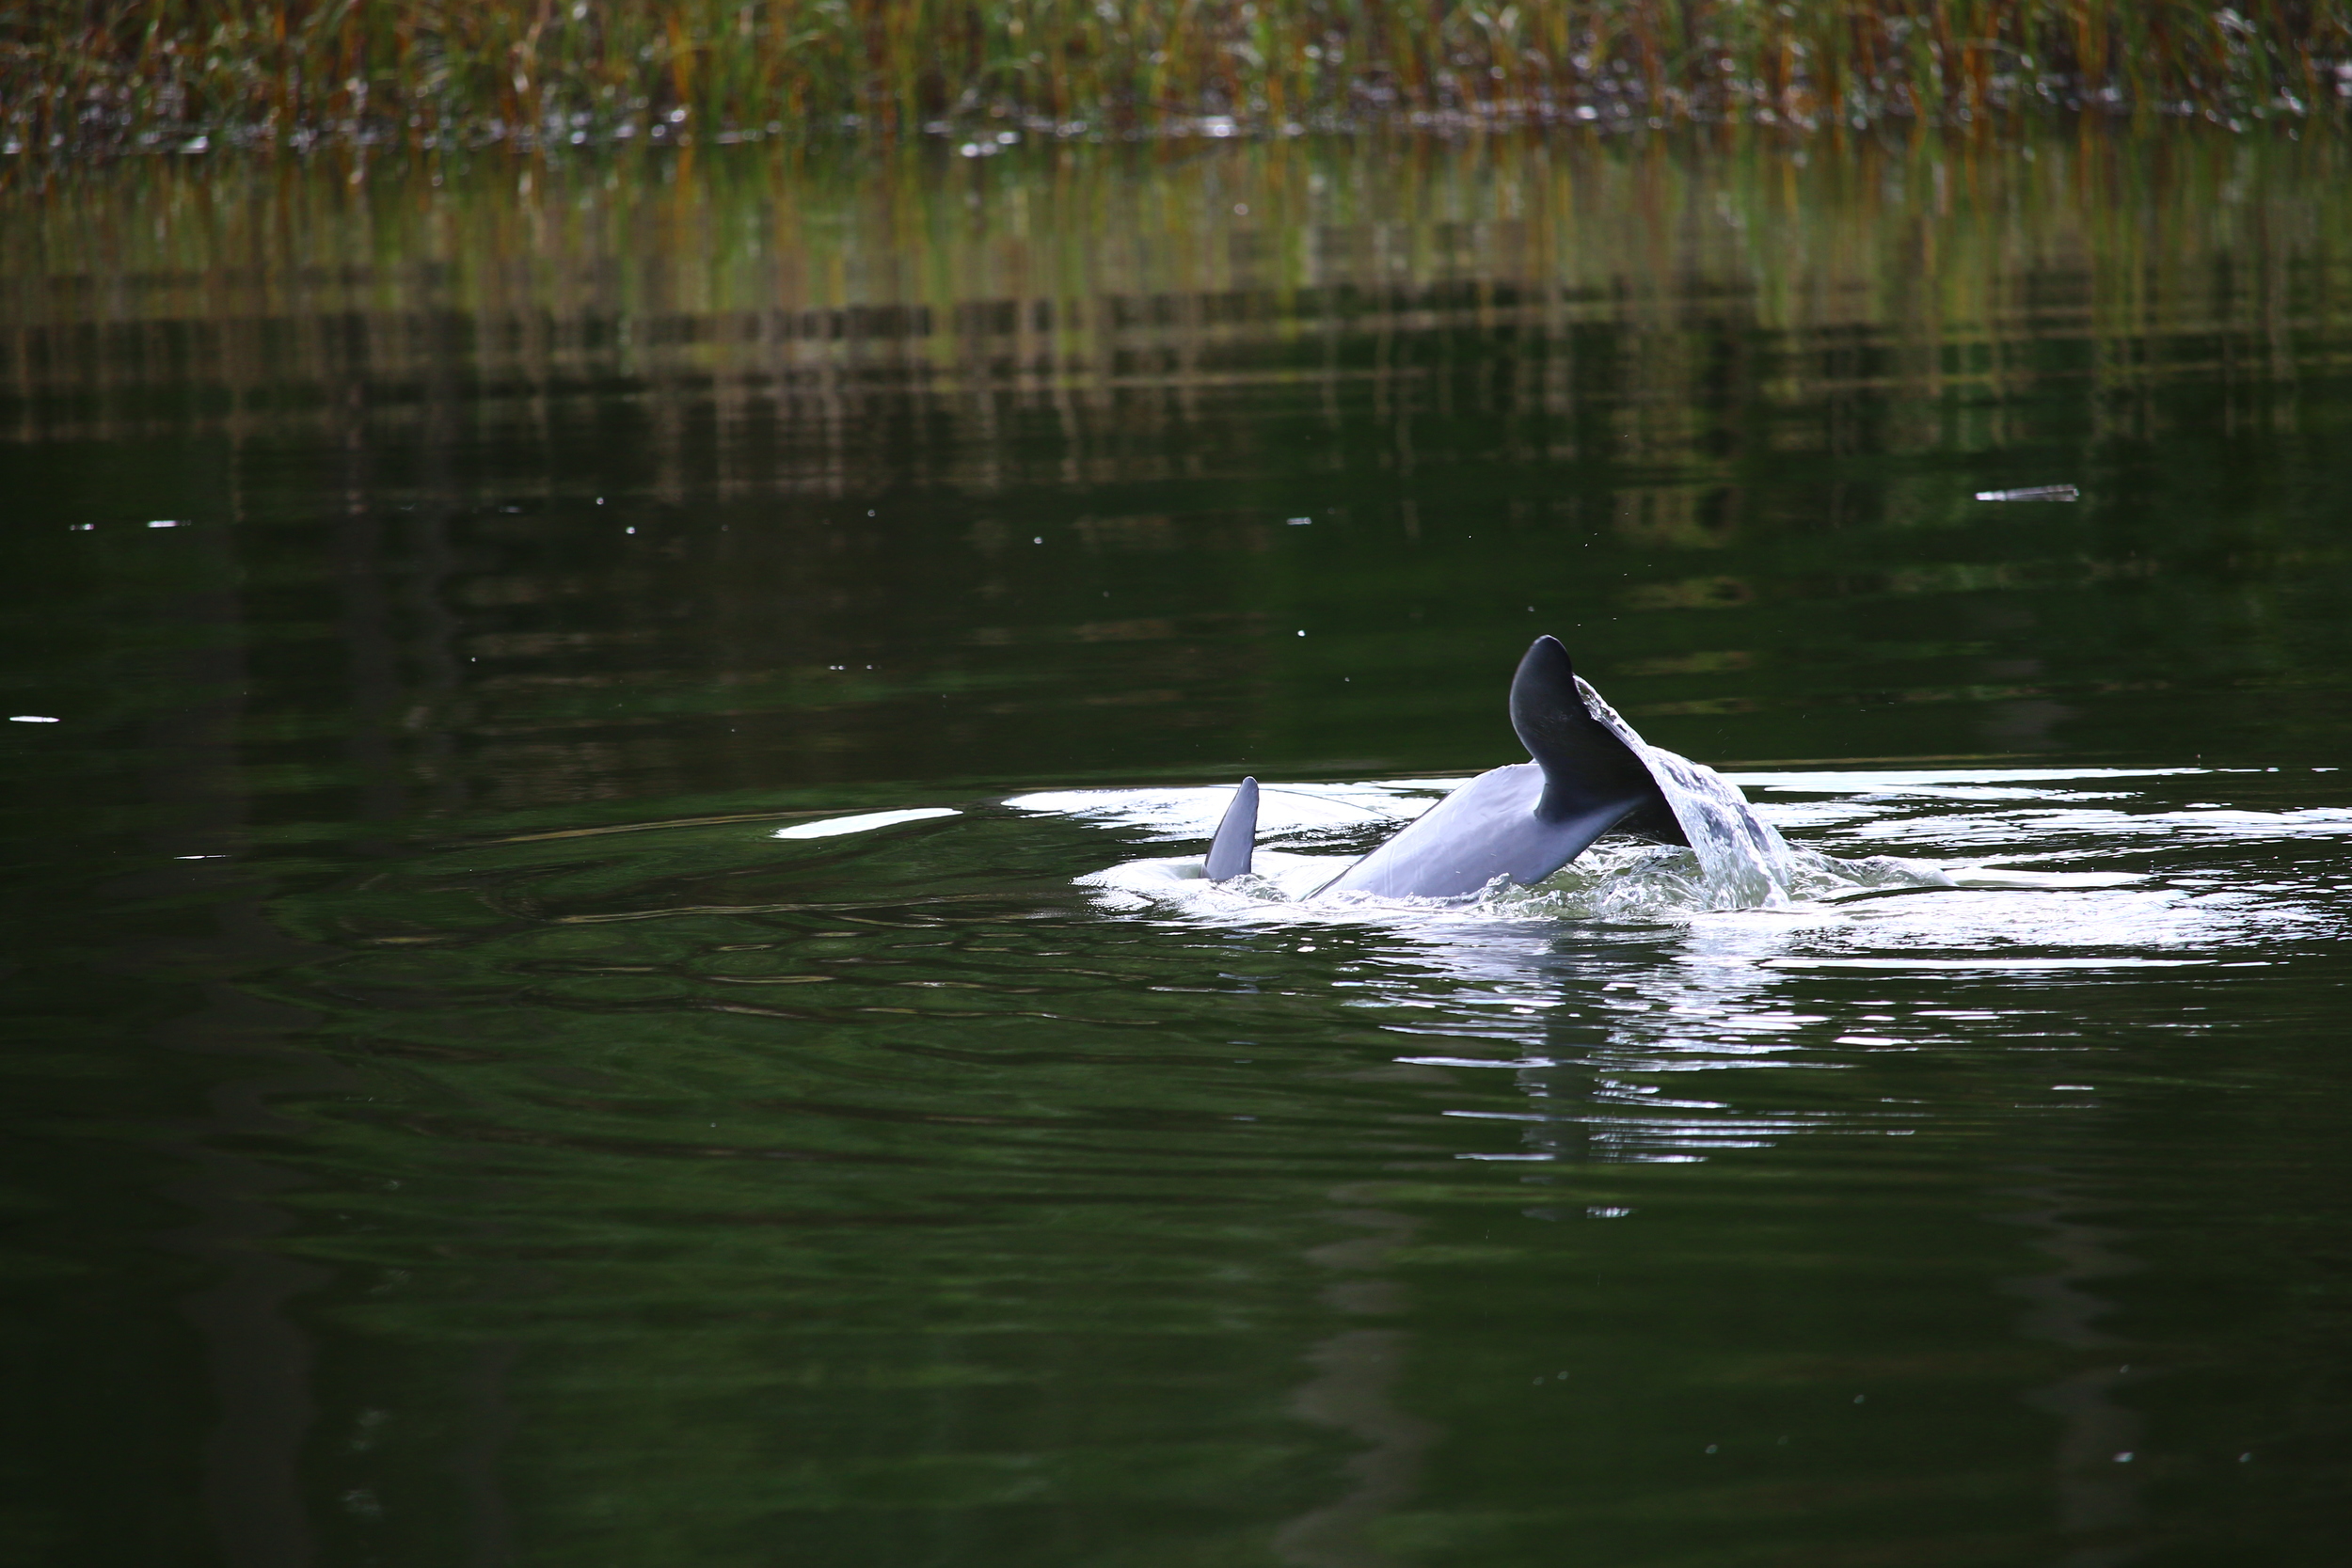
{"x": 1743, "y": 862}
{"x": 1616, "y": 879}
{"x": 1623, "y": 878}
{"x": 1735, "y": 860}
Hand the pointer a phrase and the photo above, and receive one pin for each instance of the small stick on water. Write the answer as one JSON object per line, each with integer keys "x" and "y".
{"x": 2033, "y": 493}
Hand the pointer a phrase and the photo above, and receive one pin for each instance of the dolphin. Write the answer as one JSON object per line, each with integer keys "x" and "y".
{"x": 1237, "y": 836}
{"x": 1589, "y": 774}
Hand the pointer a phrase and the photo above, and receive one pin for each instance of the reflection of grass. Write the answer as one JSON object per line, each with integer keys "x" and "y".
{"x": 1077, "y": 290}
{"x": 1108, "y": 272}
{"x": 1734, "y": 401}
{"x": 274, "y": 70}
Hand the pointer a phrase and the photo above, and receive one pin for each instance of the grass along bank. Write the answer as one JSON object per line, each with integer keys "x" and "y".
{"x": 90, "y": 75}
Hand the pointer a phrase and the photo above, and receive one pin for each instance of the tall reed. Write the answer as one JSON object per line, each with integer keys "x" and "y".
{"x": 79, "y": 74}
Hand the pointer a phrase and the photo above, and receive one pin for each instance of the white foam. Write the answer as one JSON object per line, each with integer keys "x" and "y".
{"x": 1989, "y": 961}
{"x": 1939, "y": 780}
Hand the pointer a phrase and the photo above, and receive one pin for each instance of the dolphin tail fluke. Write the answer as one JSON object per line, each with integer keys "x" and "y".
{"x": 1237, "y": 836}
{"x": 1588, "y": 771}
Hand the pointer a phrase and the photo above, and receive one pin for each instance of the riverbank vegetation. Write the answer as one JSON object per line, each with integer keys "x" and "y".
{"x": 79, "y": 75}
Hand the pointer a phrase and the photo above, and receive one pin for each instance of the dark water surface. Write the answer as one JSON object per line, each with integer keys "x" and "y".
{"x": 447, "y": 1126}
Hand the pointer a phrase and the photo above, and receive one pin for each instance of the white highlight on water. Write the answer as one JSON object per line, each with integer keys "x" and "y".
{"x": 1975, "y": 936}
{"x": 1965, "y": 894}
{"x": 831, "y": 825}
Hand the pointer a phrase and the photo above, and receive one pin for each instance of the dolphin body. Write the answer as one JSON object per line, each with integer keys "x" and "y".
{"x": 1526, "y": 821}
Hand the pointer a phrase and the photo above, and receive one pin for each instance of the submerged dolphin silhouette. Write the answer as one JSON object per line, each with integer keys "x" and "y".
{"x": 1524, "y": 821}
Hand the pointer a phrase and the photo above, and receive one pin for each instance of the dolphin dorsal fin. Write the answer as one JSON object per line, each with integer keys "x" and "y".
{"x": 1586, "y": 767}
{"x": 1237, "y": 836}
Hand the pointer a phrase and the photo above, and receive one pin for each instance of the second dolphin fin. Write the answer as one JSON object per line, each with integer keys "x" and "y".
{"x": 1237, "y": 836}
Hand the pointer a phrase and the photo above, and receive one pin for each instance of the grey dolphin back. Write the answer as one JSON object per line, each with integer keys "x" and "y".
{"x": 1237, "y": 836}
{"x": 1526, "y": 821}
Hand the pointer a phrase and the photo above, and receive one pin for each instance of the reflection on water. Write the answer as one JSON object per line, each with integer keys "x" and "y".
{"x": 605, "y": 465}
{"x": 602, "y": 965}
{"x": 1336, "y": 1129}
{"x": 2099, "y": 1478}
{"x": 1355, "y": 1390}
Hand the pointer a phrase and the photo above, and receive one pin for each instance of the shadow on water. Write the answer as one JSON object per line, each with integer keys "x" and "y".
{"x": 448, "y": 1125}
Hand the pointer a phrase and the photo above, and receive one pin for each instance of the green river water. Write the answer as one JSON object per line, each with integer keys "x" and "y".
{"x": 445, "y": 1124}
